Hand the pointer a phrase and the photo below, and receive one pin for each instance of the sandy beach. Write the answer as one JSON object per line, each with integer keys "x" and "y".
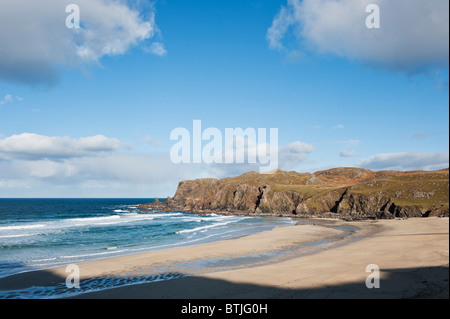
{"x": 412, "y": 255}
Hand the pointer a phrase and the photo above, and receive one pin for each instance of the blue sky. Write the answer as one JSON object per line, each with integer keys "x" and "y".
{"x": 372, "y": 98}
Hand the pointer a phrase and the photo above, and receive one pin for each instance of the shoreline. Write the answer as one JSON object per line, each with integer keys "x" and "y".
{"x": 293, "y": 276}
{"x": 270, "y": 243}
{"x": 118, "y": 246}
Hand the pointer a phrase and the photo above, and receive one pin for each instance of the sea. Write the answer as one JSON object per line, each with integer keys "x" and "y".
{"x": 44, "y": 233}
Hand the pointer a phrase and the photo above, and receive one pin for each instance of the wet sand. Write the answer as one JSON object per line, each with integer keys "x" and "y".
{"x": 412, "y": 255}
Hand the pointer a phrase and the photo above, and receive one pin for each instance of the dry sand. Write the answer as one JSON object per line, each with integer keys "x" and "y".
{"x": 412, "y": 255}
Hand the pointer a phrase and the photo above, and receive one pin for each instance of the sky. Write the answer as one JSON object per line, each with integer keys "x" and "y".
{"x": 88, "y": 111}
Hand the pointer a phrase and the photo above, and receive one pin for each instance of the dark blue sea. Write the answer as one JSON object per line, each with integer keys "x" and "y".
{"x": 43, "y": 233}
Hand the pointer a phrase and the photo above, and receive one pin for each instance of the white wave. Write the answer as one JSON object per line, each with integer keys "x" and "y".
{"x": 95, "y": 254}
{"x": 135, "y": 218}
{"x": 13, "y": 236}
{"x": 202, "y": 228}
{"x": 166, "y": 214}
{"x": 224, "y": 217}
{"x": 44, "y": 259}
{"x": 107, "y": 220}
{"x": 55, "y": 226}
{"x": 93, "y": 219}
{"x": 121, "y": 211}
{"x": 18, "y": 227}
{"x": 190, "y": 219}
{"x": 107, "y": 223}
{"x": 181, "y": 243}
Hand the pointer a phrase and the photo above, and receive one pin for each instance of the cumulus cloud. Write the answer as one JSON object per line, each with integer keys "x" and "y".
{"x": 421, "y": 134}
{"x": 35, "y": 41}
{"x": 280, "y": 26}
{"x": 37, "y": 165}
{"x": 7, "y": 99}
{"x": 413, "y": 36}
{"x": 107, "y": 175}
{"x": 32, "y": 146}
{"x": 294, "y": 154}
{"x": 240, "y": 155}
{"x": 406, "y": 161}
{"x": 349, "y": 143}
{"x": 156, "y": 48}
{"x": 148, "y": 139}
{"x": 345, "y": 153}
{"x": 288, "y": 157}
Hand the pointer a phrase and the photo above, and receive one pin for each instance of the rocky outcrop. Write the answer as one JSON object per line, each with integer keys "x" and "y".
{"x": 345, "y": 193}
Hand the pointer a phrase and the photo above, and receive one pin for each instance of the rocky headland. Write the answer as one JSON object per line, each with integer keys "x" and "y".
{"x": 344, "y": 193}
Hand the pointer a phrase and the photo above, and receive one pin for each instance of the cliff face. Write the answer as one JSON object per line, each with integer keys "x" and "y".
{"x": 347, "y": 193}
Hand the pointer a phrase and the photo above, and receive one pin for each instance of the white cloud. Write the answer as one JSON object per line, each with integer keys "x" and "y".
{"x": 338, "y": 127}
{"x": 294, "y": 154}
{"x": 32, "y": 146}
{"x": 406, "y": 161}
{"x": 421, "y": 134}
{"x": 245, "y": 148}
{"x": 7, "y": 99}
{"x": 280, "y": 25}
{"x": 107, "y": 175}
{"x": 10, "y": 99}
{"x": 345, "y": 153}
{"x": 50, "y": 169}
{"x": 156, "y": 48}
{"x": 42, "y": 166}
{"x": 152, "y": 141}
{"x": 35, "y": 41}
{"x": 289, "y": 157}
{"x": 349, "y": 143}
{"x": 35, "y": 165}
{"x": 413, "y": 36}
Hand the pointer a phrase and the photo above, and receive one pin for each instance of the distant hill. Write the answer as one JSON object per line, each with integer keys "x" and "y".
{"x": 347, "y": 193}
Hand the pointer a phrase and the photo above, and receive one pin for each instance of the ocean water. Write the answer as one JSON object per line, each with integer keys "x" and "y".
{"x": 43, "y": 233}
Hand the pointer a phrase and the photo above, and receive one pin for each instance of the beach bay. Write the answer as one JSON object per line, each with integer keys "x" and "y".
{"x": 412, "y": 256}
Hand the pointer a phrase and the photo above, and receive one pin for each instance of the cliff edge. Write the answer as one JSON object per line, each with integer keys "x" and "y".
{"x": 346, "y": 193}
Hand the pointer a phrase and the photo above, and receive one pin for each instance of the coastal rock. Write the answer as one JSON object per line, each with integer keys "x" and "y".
{"x": 384, "y": 215}
{"x": 346, "y": 193}
{"x": 245, "y": 198}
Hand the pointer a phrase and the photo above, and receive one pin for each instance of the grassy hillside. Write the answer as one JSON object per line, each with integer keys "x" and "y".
{"x": 351, "y": 192}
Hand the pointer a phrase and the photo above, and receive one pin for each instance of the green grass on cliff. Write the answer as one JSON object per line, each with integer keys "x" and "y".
{"x": 418, "y": 188}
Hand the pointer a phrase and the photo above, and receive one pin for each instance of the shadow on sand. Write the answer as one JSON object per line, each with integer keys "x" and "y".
{"x": 426, "y": 283}
{"x": 429, "y": 282}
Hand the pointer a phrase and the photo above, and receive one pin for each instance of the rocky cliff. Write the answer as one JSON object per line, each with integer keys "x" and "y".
{"x": 347, "y": 193}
